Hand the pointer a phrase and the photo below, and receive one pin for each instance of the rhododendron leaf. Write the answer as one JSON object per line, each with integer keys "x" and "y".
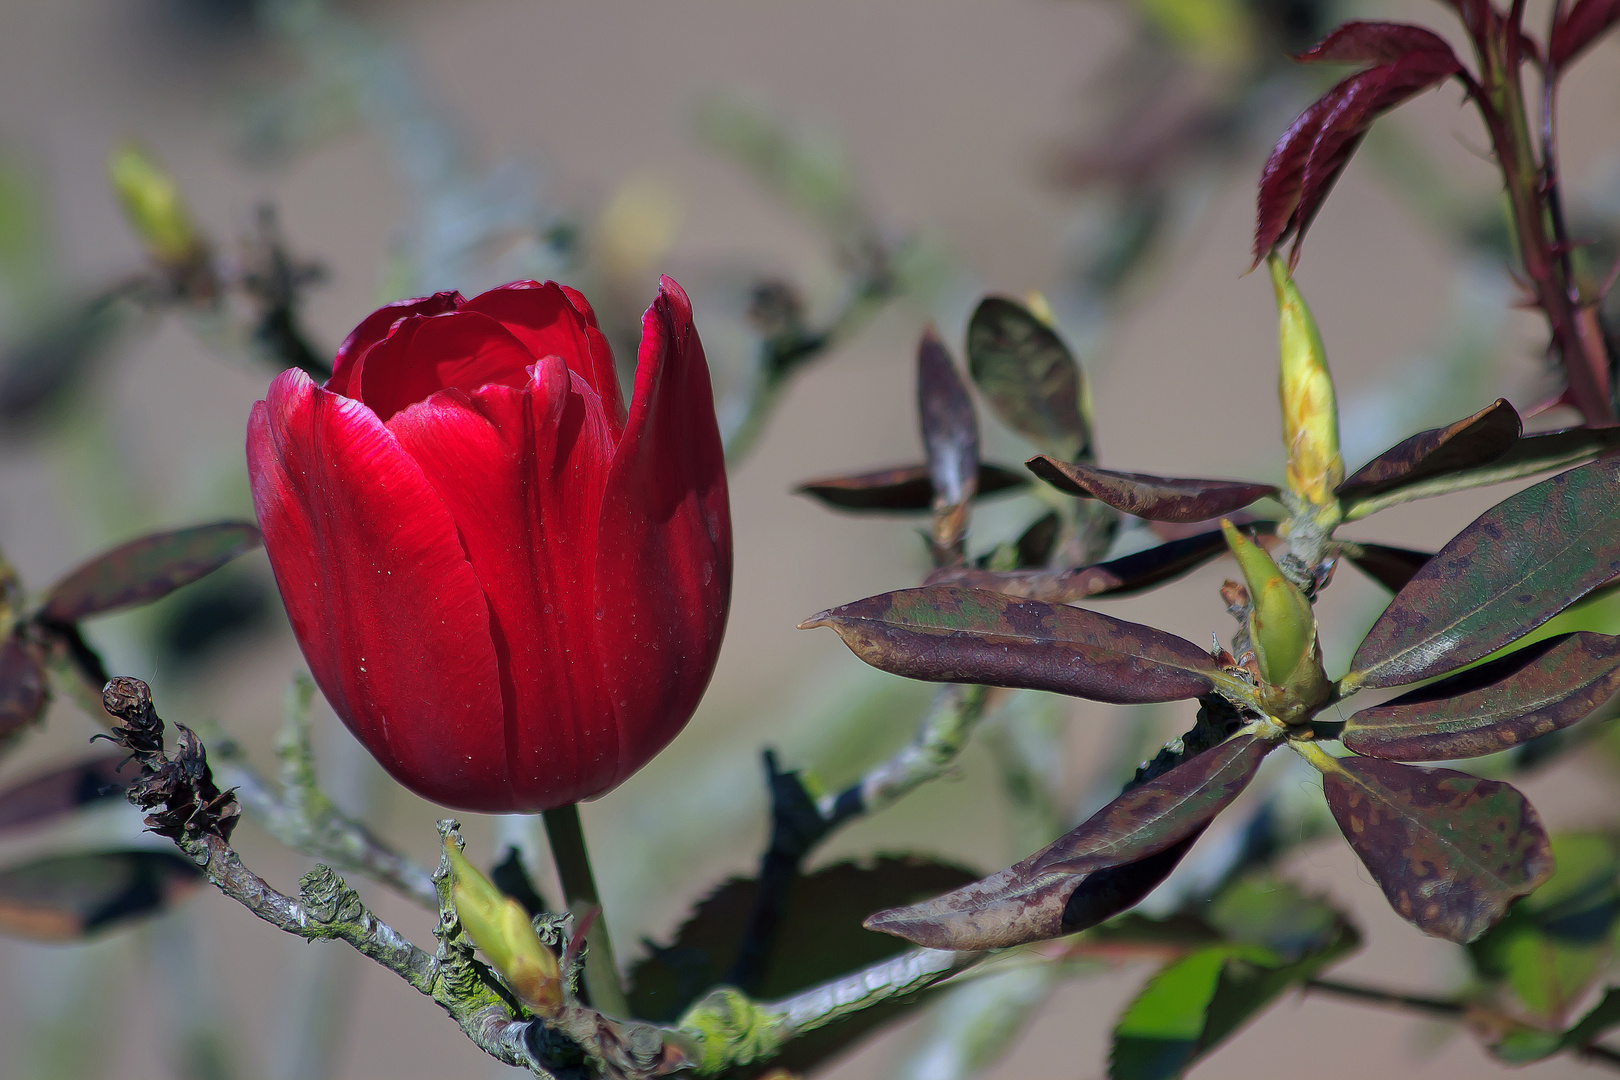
{"x": 819, "y": 936}
{"x": 1583, "y": 23}
{"x": 1531, "y": 454}
{"x": 1469, "y": 443}
{"x": 1510, "y": 700}
{"x": 1116, "y": 577}
{"x": 1032, "y": 900}
{"x": 1157, "y": 498}
{"x": 1525, "y": 1043}
{"x": 950, "y": 431}
{"x": 1315, "y": 149}
{"x": 1516, "y": 566}
{"x": 1450, "y": 850}
{"x": 70, "y": 897}
{"x": 1036, "y": 543}
{"x": 145, "y": 569}
{"x": 903, "y": 488}
{"x": 941, "y": 633}
{"x": 22, "y": 687}
{"x": 1029, "y": 377}
{"x": 1391, "y": 567}
{"x": 51, "y": 794}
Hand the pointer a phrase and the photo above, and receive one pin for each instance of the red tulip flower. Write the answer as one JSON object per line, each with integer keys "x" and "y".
{"x": 511, "y": 590}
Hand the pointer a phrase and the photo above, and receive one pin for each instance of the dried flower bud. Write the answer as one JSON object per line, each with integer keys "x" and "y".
{"x": 1310, "y": 411}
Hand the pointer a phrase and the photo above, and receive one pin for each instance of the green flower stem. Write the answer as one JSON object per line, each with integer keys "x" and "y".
{"x": 567, "y": 840}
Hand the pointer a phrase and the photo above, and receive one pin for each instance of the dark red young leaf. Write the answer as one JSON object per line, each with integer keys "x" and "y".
{"x": 1031, "y": 901}
{"x": 1315, "y": 149}
{"x": 1391, "y": 567}
{"x": 950, "y": 431}
{"x": 1510, "y": 570}
{"x": 1116, "y": 577}
{"x": 1512, "y": 699}
{"x": 22, "y": 687}
{"x": 941, "y": 633}
{"x": 1360, "y": 42}
{"x": 1156, "y": 498}
{"x": 61, "y": 791}
{"x": 70, "y": 897}
{"x": 1470, "y": 443}
{"x": 1583, "y": 23}
{"x": 1450, "y": 850}
{"x": 146, "y": 569}
{"x": 902, "y": 489}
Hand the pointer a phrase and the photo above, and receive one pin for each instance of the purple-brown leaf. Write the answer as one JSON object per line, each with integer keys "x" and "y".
{"x": 22, "y": 686}
{"x": 1391, "y": 567}
{"x": 1517, "y": 697}
{"x": 950, "y": 431}
{"x": 1470, "y": 443}
{"x": 1450, "y": 850}
{"x": 70, "y": 897}
{"x": 146, "y": 569}
{"x": 1516, "y": 566}
{"x": 1359, "y": 42}
{"x": 61, "y": 791}
{"x": 1315, "y": 149}
{"x": 1029, "y": 377}
{"x": 1156, "y": 498}
{"x": 1031, "y": 901}
{"x": 902, "y": 489}
{"x": 941, "y": 633}
{"x": 1583, "y": 23}
{"x": 1116, "y": 577}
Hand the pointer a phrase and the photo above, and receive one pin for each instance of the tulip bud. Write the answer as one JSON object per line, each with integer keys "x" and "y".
{"x": 500, "y": 928}
{"x": 1282, "y": 629}
{"x": 153, "y": 207}
{"x": 1310, "y": 412}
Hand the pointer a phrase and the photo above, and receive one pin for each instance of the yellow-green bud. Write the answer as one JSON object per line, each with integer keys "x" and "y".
{"x": 153, "y": 207}
{"x": 1282, "y": 627}
{"x": 1310, "y": 411}
{"x": 500, "y": 928}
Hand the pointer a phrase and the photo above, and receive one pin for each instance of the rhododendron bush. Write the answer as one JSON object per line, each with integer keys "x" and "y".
{"x": 498, "y": 520}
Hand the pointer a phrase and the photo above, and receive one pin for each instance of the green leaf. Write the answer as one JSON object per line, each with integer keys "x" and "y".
{"x": 941, "y": 633}
{"x": 1516, "y": 566}
{"x": 1495, "y": 705}
{"x": 1157, "y": 1036}
{"x": 1029, "y": 377}
{"x": 1524, "y": 1045}
{"x": 1450, "y": 850}
{"x": 145, "y": 569}
{"x": 1555, "y": 943}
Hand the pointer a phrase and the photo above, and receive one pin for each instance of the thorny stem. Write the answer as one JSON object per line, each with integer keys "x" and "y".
{"x": 573, "y": 861}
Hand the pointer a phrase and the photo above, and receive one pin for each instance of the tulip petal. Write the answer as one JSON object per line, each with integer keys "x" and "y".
{"x": 663, "y": 564}
{"x": 375, "y": 327}
{"x": 462, "y": 350}
{"x": 388, "y": 612}
{"x": 522, "y": 472}
{"x": 553, "y": 319}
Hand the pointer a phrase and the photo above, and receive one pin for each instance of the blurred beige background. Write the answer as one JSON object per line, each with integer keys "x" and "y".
{"x": 948, "y": 108}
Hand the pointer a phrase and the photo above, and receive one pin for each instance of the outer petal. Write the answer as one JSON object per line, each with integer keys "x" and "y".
{"x": 425, "y": 354}
{"x": 522, "y": 474}
{"x": 382, "y": 601}
{"x": 375, "y": 327}
{"x": 553, "y": 319}
{"x": 663, "y": 566}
